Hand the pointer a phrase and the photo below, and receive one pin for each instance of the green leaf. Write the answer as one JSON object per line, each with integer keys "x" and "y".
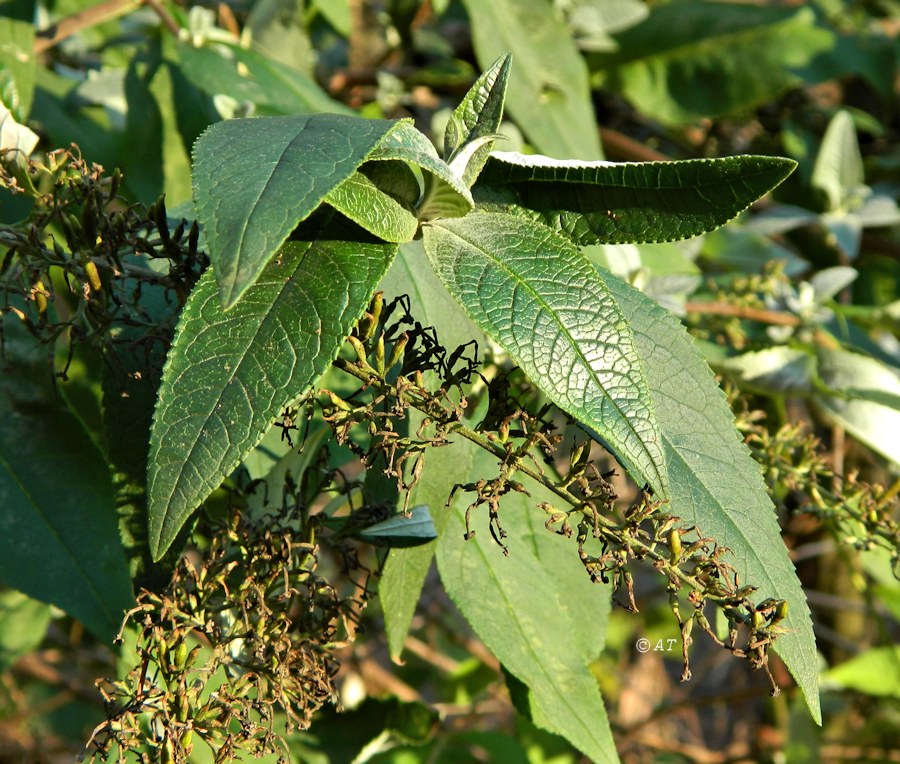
{"x": 874, "y": 672}
{"x": 228, "y": 374}
{"x": 163, "y": 164}
{"x": 363, "y": 202}
{"x": 405, "y": 569}
{"x": 775, "y": 370}
{"x": 838, "y": 171}
{"x": 337, "y": 12}
{"x": 536, "y": 610}
{"x": 17, "y": 65}
{"x": 536, "y": 295}
{"x": 401, "y": 530}
{"x": 629, "y": 202}
{"x": 874, "y": 424}
{"x": 64, "y": 121}
{"x": 713, "y": 480}
{"x": 689, "y": 61}
{"x": 60, "y": 543}
{"x": 23, "y": 624}
{"x": 255, "y": 180}
{"x": 477, "y": 120}
{"x": 277, "y": 30}
{"x": 549, "y": 94}
{"x": 445, "y": 193}
{"x": 249, "y": 77}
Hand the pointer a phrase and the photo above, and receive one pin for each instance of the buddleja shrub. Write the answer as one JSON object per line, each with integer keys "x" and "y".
{"x": 302, "y": 218}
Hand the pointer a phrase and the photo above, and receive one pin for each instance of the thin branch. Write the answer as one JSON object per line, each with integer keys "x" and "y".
{"x": 774, "y": 317}
{"x": 97, "y": 14}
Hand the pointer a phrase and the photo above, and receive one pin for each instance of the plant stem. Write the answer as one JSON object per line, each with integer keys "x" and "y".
{"x": 616, "y": 534}
{"x": 742, "y": 311}
{"x": 97, "y": 14}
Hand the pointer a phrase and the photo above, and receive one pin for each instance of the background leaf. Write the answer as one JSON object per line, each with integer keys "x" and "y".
{"x": 255, "y": 180}
{"x": 838, "y": 171}
{"x": 59, "y": 541}
{"x": 17, "y": 65}
{"x": 228, "y": 374}
{"x": 405, "y": 569}
{"x": 874, "y": 424}
{"x": 536, "y": 610}
{"x": 875, "y": 672}
{"x": 540, "y": 299}
{"x": 688, "y": 61}
{"x": 713, "y": 479}
{"x": 23, "y": 624}
{"x": 628, "y": 202}
{"x": 548, "y": 94}
{"x": 251, "y": 78}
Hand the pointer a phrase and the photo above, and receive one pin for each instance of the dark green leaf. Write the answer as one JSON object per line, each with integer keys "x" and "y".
{"x": 256, "y": 179}
{"x": 23, "y": 624}
{"x": 713, "y": 479}
{"x": 630, "y": 202}
{"x": 689, "y": 61}
{"x": 249, "y": 77}
{"x": 405, "y": 569}
{"x": 536, "y": 610}
{"x": 549, "y": 94}
{"x": 228, "y": 374}
{"x": 536, "y": 295}
{"x": 60, "y": 543}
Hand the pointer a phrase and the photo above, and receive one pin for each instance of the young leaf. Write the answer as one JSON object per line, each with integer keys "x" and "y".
{"x": 629, "y": 202}
{"x": 534, "y": 293}
{"x": 536, "y": 610}
{"x": 445, "y": 193}
{"x": 364, "y": 203}
{"x": 477, "y": 119}
{"x": 256, "y": 180}
{"x": 549, "y": 94}
{"x": 838, "y": 171}
{"x": 713, "y": 480}
{"x": 60, "y": 543}
{"x": 228, "y": 374}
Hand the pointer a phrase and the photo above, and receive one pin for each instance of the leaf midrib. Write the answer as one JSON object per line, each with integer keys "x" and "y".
{"x": 540, "y": 299}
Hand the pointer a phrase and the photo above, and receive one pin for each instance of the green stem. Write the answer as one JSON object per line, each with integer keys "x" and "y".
{"x": 612, "y": 532}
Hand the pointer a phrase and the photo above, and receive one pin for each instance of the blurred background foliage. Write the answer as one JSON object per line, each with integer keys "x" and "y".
{"x": 797, "y": 306}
